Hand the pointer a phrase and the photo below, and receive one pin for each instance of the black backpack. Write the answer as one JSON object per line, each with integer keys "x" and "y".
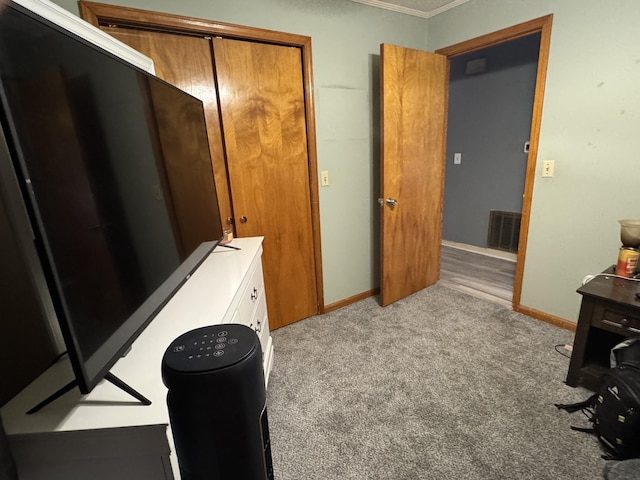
{"x": 614, "y": 411}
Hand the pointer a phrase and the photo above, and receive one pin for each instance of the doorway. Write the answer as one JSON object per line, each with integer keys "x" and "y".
{"x": 542, "y": 27}
{"x": 491, "y": 93}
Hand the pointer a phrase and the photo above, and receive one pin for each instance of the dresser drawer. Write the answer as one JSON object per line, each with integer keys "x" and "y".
{"x": 260, "y": 322}
{"x": 250, "y": 297}
{"x": 615, "y": 320}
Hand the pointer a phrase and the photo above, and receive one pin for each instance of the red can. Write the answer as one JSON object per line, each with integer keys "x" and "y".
{"x": 627, "y": 261}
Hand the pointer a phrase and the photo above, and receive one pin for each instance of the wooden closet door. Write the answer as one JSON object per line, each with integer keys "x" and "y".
{"x": 185, "y": 61}
{"x": 264, "y": 125}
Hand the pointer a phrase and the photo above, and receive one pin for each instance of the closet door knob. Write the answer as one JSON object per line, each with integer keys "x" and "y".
{"x": 243, "y": 219}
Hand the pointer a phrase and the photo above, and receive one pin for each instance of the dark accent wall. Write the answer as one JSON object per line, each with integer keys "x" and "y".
{"x": 489, "y": 122}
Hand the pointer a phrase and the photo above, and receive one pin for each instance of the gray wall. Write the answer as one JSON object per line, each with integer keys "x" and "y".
{"x": 488, "y": 123}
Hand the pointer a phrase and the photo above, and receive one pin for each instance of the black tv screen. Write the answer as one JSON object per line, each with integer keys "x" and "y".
{"x": 116, "y": 176}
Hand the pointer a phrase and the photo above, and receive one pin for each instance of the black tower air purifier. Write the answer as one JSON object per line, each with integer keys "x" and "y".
{"x": 217, "y": 404}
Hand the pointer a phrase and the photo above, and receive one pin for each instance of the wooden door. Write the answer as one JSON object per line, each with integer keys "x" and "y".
{"x": 262, "y": 107}
{"x": 413, "y": 106}
{"x": 185, "y": 61}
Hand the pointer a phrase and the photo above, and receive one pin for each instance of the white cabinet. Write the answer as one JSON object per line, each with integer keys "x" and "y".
{"x": 107, "y": 431}
{"x": 252, "y": 310}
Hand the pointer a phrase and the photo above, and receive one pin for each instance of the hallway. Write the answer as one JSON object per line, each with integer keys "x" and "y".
{"x": 489, "y": 276}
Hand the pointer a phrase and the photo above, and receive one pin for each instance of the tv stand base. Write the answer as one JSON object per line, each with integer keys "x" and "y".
{"x": 110, "y": 377}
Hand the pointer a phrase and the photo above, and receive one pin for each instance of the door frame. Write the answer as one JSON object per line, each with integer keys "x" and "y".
{"x": 540, "y": 25}
{"x": 103, "y": 14}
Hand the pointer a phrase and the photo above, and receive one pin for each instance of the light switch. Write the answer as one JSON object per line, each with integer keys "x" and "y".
{"x": 547, "y": 168}
{"x": 324, "y": 178}
{"x": 457, "y": 158}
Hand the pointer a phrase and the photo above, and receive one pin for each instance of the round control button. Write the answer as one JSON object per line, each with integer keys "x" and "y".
{"x": 233, "y": 341}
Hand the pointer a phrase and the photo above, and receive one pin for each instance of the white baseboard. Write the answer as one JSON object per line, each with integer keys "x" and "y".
{"x": 483, "y": 251}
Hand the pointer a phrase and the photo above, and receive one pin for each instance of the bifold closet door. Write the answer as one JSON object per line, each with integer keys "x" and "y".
{"x": 185, "y": 61}
{"x": 263, "y": 121}
{"x": 254, "y": 98}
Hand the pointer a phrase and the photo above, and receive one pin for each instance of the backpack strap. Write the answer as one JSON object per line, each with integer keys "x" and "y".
{"x": 585, "y": 430}
{"x": 574, "y": 407}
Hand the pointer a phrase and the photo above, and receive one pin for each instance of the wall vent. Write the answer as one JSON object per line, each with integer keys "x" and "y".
{"x": 473, "y": 67}
{"x": 504, "y": 230}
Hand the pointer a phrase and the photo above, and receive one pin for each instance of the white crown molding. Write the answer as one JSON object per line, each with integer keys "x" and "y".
{"x": 411, "y": 11}
{"x": 448, "y": 6}
{"x": 75, "y": 24}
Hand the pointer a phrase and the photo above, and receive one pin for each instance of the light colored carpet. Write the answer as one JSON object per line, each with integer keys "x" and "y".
{"x": 441, "y": 385}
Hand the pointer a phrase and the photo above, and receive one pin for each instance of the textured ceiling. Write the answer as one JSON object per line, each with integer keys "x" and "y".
{"x": 418, "y": 8}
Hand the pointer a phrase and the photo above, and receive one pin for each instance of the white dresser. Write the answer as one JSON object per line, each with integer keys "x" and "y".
{"x": 107, "y": 434}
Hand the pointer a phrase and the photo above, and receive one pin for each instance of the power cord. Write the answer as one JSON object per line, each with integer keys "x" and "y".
{"x": 57, "y": 358}
{"x": 588, "y": 278}
{"x": 562, "y": 348}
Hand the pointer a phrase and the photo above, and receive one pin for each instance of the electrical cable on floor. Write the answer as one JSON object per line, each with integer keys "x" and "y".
{"x": 563, "y": 347}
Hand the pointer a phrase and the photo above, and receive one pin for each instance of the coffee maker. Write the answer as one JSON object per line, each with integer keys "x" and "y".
{"x": 630, "y": 251}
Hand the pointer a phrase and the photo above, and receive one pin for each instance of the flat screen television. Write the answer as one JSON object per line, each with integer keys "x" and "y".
{"x": 115, "y": 175}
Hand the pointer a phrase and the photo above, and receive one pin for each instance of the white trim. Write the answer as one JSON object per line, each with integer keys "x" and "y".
{"x": 490, "y": 252}
{"x": 75, "y": 24}
{"x": 448, "y": 6}
{"x": 411, "y": 11}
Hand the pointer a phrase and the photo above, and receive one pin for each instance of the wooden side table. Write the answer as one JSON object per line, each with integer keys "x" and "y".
{"x": 609, "y": 314}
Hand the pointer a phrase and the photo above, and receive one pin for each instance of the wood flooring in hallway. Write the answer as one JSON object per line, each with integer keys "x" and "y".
{"x": 478, "y": 274}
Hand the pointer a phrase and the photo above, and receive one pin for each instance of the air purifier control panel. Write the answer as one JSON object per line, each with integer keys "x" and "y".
{"x": 210, "y": 348}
